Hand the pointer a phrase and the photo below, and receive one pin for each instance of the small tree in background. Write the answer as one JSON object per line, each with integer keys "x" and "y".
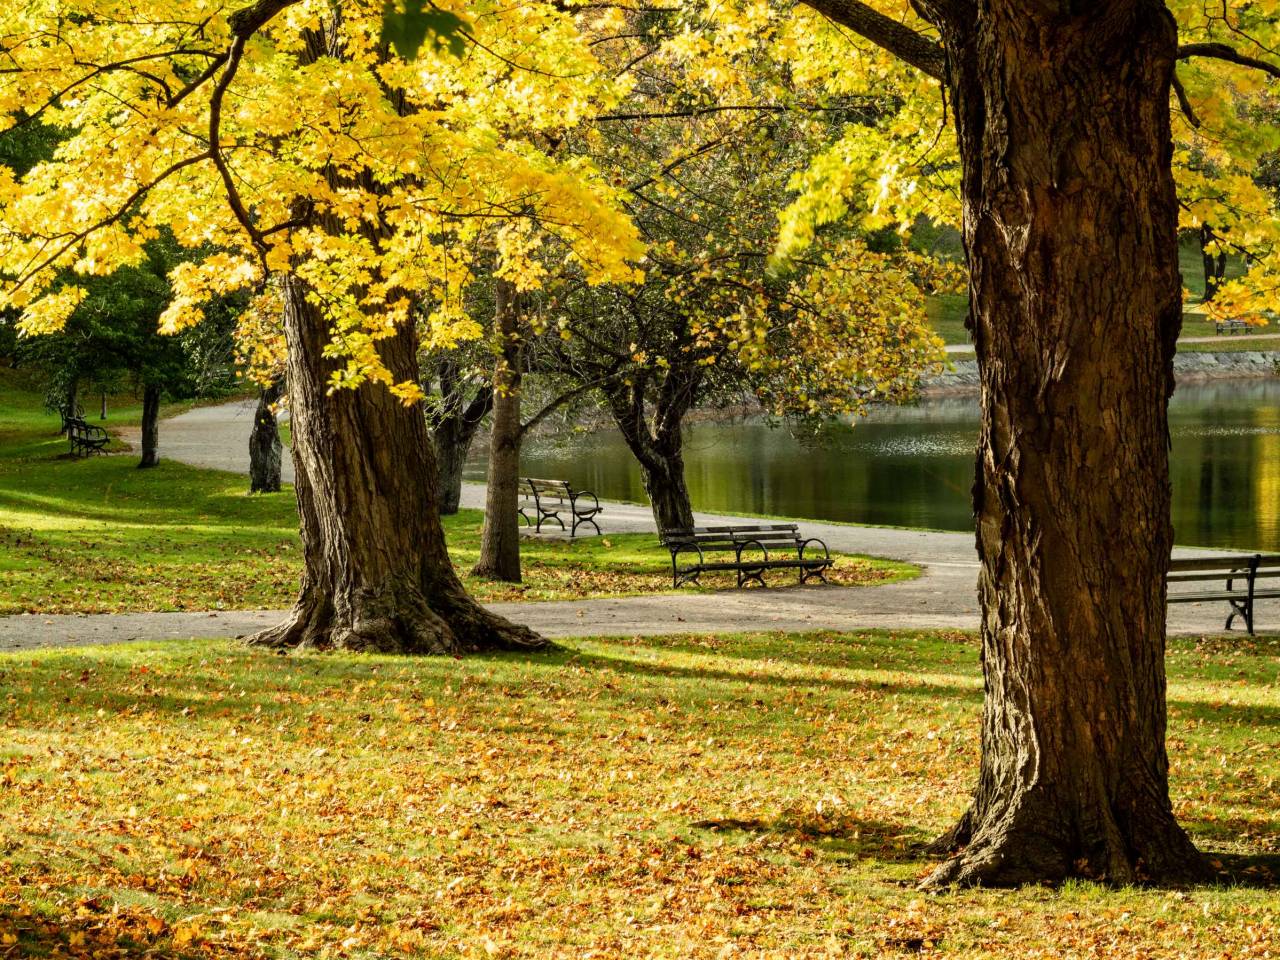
{"x": 112, "y": 341}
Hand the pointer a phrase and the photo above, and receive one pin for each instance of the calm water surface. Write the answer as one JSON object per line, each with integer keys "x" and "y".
{"x": 913, "y": 466}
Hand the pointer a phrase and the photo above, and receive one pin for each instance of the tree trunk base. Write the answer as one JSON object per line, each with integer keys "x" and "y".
{"x": 399, "y": 621}
{"x": 1034, "y": 845}
{"x": 494, "y": 572}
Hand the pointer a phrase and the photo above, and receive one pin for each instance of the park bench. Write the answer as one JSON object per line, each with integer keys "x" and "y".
{"x": 547, "y": 500}
{"x": 69, "y": 412}
{"x": 1241, "y": 588}
{"x": 746, "y": 550}
{"x": 86, "y": 439}
{"x": 1229, "y": 326}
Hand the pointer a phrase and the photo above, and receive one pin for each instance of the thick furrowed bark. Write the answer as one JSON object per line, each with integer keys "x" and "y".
{"x": 377, "y": 575}
{"x": 1070, "y": 228}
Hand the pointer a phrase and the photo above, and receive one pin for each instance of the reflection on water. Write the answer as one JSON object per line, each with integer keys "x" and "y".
{"x": 913, "y": 466}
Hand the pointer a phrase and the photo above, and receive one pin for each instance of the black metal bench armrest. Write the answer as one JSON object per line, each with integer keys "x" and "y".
{"x": 679, "y": 547}
{"x": 804, "y": 545}
{"x": 576, "y": 495}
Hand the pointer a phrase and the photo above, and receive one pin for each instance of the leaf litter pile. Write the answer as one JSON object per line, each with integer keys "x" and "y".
{"x": 735, "y": 796}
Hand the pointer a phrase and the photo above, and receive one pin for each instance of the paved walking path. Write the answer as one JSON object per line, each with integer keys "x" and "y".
{"x": 944, "y": 596}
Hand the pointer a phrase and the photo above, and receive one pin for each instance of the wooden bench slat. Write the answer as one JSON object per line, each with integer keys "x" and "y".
{"x": 1194, "y": 577}
{"x": 1241, "y": 572}
{"x": 1210, "y": 563}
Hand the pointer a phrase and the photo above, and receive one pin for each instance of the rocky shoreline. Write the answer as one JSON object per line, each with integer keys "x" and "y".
{"x": 1187, "y": 367}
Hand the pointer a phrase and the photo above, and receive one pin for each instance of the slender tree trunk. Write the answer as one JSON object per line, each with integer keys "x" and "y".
{"x": 377, "y": 574}
{"x": 265, "y": 449}
{"x": 452, "y": 443}
{"x": 500, "y": 540}
{"x": 73, "y": 392}
{"x": 1215, "y": 265}
{"x": 1070, "y": 228}
{"x": 455, "y": 429}
{"x": 150, "y": 426}
{"x": 668, "y": 495}
{"x": 659, "y": 451}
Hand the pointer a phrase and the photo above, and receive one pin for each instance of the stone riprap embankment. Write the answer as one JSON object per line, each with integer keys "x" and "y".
{"x": 1187, "y": 367}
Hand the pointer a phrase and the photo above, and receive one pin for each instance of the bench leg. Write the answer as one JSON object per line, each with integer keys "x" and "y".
{"x": 579, "y": 521}
{"x": 546, "y": 516}
{"x": 678, "y": 580}
{"x": 1243, "y": 610}
{"x": 819, "y": 573}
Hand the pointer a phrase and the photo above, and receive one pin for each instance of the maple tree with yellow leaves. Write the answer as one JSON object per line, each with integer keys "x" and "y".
{"x": 345, "y": 183}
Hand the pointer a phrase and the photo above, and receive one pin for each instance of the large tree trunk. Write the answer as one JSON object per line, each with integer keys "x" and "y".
{"x": 265, "y": 449}
{"x": 1070, "y": 227}
{"x": 150, "y": 426}
{"x": 500, "y": 540}
{"x": 377, "y": 573}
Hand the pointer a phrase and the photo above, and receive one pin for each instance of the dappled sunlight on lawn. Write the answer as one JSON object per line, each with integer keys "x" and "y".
{"x": 671, "y": 797}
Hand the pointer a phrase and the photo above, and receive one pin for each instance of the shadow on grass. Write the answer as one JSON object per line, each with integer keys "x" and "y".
{"x": 1234, "y": 714}
{"x": 93, "y": 930}
{"x": 745, "y": 677}
{"x": 845, "y": 836}
{"x": 1260, "y": 871}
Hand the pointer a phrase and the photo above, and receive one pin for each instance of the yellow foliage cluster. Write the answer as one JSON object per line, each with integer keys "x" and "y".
{"x": 286, "y": 138}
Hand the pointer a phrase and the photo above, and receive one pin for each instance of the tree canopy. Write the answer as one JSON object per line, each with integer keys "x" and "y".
{"x": 281, "y": 140}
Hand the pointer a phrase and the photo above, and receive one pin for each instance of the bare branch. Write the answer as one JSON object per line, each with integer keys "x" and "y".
{"x": 1222, "y": 51}
{"x": 1183, "y": 102}
{"x": 527, "y": 427}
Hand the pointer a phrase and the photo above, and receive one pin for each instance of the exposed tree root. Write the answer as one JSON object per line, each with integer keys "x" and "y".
{"x": 397, "y": 622}
{"x": 1037, "y": 843}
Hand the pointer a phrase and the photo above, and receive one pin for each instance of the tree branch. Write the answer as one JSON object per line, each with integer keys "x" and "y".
{"x": 1183, "y": 102}
{"x": 904, "y": 43}
{"x": 561, "y": 400}
{"x": 244, "y": 24}
{"x": 1221, "y": 51}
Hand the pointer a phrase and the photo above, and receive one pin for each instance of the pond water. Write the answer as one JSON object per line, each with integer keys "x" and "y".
{"x": 913, "y": 466}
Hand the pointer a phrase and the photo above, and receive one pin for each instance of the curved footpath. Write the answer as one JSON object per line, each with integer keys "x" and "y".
{"x": 943, "y": 596}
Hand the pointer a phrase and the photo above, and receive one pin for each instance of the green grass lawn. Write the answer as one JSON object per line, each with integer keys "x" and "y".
{"x": 98, "y": 535}
{"x": 685, "y": 797}
{"x": 947, "y": 312}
